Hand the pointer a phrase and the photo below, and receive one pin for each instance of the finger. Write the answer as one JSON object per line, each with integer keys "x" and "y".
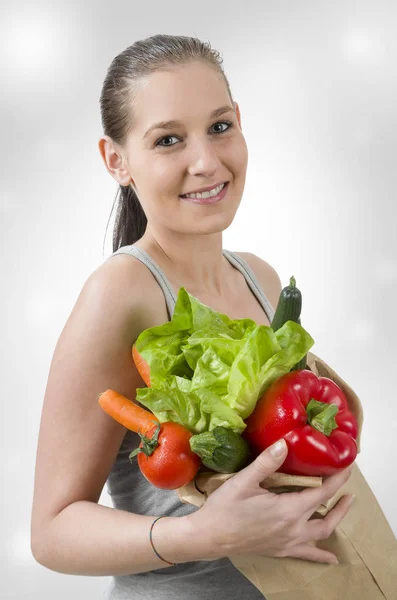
{"x": 265, "y": 464}
{"x": 311, "y": 498}
{"x": 309, "y": 552}
{"x": 320, "y": 529}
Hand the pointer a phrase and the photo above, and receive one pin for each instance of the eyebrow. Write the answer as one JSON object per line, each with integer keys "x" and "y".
{"x": 171, "y": 124}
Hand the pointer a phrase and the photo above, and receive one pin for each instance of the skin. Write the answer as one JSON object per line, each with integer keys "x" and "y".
{"x": 71, "y": 532}
{"x": 185, "y": 238}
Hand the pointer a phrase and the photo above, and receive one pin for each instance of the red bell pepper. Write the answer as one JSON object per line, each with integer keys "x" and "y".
{"x": 312, "y": 414}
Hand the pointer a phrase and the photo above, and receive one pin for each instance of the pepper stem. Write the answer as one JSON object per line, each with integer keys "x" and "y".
{"x": 321, "y": 416}
{"x": 149, "y": 445}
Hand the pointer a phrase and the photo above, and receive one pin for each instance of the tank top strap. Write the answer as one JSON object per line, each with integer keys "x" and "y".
{"x": 239, "y": 263}
{"x": 157, "y": 273}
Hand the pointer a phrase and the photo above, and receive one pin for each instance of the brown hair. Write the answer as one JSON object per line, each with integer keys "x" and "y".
{"x": 116, "y": 103}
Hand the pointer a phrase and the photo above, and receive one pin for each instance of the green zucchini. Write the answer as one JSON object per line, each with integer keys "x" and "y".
{"x": 221, "y": 450}
{"x": 289, "y": 308}
{"x": 289, "y": 305}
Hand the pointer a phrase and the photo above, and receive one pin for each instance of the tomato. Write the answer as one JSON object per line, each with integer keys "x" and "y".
{"x": 141, "y": 365}
{"x": 165, "y": 457}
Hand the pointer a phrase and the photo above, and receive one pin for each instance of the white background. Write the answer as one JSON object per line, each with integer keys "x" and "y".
{"x": 316, "y": 85}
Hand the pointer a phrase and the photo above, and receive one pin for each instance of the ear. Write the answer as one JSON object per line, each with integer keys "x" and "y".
{"x": 237, "y": 109}
{"x": 114, "y": 160}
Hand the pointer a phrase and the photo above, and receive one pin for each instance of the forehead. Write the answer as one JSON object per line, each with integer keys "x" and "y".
{"x": 183, "y": 93}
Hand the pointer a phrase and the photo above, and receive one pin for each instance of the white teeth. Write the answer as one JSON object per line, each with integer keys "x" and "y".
{"x": 210, "y": 194}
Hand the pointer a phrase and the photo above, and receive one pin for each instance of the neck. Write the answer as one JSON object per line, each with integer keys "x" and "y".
{"x": 192, "y": 261}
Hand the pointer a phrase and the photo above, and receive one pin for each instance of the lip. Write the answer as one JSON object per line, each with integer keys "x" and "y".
{"x": 206, "y": 189}
{"x": 211, "y": 199}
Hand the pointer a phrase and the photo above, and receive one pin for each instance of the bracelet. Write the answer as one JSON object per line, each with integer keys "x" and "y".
{"x": 151, "y": 541}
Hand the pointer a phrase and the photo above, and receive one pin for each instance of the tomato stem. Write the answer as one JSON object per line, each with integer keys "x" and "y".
{"x": 149, "y": 445}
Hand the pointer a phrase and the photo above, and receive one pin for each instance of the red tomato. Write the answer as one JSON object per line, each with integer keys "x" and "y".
{"x": 172, "y": 463}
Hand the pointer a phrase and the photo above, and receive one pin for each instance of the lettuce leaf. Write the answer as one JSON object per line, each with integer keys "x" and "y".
{"x": 207, "y": 369}
{"x": 266, "y": 356}
{"x": 162, "y": 346}
{"x": 198, "y": 411}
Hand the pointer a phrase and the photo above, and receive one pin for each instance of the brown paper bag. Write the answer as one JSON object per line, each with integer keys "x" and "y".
{"x": 363, "y": 542}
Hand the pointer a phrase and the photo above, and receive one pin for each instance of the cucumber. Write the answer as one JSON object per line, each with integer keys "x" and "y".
{"x": 221, "y": 450}
{"x": 289, "y": 305}
{"x": 289, "y": 309}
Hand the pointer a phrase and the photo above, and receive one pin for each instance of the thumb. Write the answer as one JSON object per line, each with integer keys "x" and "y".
{"x": 266, "y": 463}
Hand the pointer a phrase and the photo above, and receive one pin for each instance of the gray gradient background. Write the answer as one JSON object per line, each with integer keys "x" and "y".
{"x": 316, "y": 84}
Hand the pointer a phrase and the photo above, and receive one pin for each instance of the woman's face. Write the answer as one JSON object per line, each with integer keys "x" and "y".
{"x": 201, "y": 151}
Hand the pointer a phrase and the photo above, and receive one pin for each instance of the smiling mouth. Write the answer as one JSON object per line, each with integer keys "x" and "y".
{"x": 207, "y": 193}
{"x": 207, "y": 199}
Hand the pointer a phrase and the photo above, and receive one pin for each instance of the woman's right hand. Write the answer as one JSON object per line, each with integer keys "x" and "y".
{"x": 245, "y": 518}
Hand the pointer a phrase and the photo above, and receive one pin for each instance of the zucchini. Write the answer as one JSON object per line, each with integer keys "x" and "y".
{"x": 289, "y": 305}
{"x": 221, "y": 450}
{"x": 289, "y": 309}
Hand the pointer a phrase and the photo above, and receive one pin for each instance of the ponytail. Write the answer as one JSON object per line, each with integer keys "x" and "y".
{"x": 131, "y": 221}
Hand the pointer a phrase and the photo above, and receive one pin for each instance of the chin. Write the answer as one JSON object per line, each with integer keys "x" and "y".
{"x": 211, "y": 224}
{"x": 205, "y": 220}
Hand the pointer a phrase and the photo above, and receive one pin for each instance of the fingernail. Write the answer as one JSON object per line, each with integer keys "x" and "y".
{"x": 334, "y": 561}
{"x": 278, "y": 448}
{"x": 351, "y": 499}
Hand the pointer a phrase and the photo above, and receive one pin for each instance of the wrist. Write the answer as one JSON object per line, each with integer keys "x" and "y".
{"x": 181, "y": 540}
{"x": 202, "y": 536}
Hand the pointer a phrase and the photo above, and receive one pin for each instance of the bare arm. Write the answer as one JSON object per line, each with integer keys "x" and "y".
{"x": 86, "y": 538}
{"x": 78, "y": 442}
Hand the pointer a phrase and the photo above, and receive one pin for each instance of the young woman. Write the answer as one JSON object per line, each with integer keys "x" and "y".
{"x": 171, "y": 130}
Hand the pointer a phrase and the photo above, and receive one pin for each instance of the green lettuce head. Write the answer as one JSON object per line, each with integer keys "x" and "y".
{"x": 208, "y": 370}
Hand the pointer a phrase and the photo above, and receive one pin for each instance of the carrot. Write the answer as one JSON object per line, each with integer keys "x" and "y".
{"x": 141, "y": 365}
{"x": 127, "y": 413}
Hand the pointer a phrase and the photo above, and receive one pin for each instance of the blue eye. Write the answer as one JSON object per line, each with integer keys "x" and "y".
{"x": 168, "y": 137}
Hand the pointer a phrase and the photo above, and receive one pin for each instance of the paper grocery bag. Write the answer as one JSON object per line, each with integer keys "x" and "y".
{"x": 363, "y": 542}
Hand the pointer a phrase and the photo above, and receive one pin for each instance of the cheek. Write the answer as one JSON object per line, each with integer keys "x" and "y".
{"x": 164, "y": 177}
{"x": 241, "y": 154}
{"x": 164, "y": 168}
{"x": 236, "y": 157}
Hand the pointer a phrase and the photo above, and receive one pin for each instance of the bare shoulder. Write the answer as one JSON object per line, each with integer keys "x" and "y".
{"x": 92, "y": 354}
{"x": 266, "y": 274}
{"x": 123, "y": 274}
{"x": 124, "y": 283}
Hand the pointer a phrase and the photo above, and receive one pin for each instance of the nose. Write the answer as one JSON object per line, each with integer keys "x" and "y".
{"x": 203, "y": 158}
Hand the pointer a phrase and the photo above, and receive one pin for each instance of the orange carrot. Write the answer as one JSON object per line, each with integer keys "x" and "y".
{"x": 141, "y": 365}
{"x": 126, "y": 412}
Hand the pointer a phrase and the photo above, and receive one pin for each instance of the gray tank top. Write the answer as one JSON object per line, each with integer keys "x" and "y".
{"x": 130, "y": 491}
